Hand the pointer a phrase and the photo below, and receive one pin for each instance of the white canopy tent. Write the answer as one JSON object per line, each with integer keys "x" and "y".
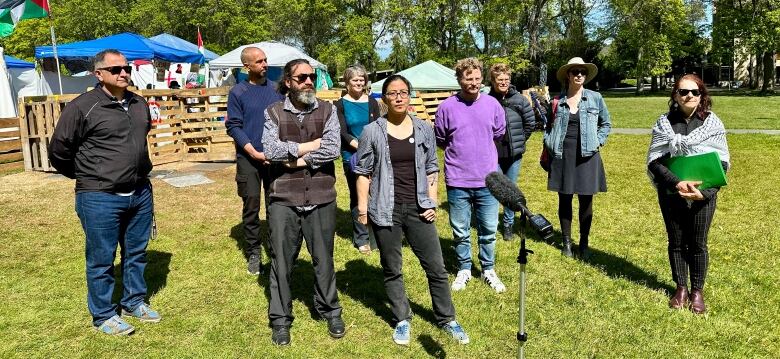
{"x": 7, "y": 107}
{"x": 278, "y": 55}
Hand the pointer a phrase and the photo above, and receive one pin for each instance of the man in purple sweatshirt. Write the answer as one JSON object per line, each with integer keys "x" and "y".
{"x": 466, "y": 125}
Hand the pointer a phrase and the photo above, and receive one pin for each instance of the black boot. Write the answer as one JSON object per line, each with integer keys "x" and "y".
{"x": 507, "y": 233}
{"x": 583, "y": 250}
{"x": 566, "y": 249}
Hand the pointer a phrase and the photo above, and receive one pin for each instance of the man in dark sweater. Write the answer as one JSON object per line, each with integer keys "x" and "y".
{"x": 246, "y": 105}
{"x": 100, "y": 141}
{"x": 301, "y": 139}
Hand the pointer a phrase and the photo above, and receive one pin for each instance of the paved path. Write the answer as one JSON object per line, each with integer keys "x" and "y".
{"x": 646, "y": 131}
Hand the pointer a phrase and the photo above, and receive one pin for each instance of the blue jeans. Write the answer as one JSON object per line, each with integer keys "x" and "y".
{"x": 511, "y": 168}
{"x": 109, "y": 219}
{"x": 486, "y": 208}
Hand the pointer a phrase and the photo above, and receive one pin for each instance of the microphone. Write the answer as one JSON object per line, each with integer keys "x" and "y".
{"x": 507, "y": 193}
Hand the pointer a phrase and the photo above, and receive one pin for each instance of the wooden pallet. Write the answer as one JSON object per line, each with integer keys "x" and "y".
{"x": 11, "y": 156}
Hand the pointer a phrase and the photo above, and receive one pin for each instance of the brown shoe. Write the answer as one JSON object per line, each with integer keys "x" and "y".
{"x": 697, "y": 302}
{"x": 679, "y": 299}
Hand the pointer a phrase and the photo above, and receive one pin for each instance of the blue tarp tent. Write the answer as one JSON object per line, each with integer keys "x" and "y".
{"x": 14, "y": 63}
{"x": 179, "y": 43}
{"x": 133, "y": 46}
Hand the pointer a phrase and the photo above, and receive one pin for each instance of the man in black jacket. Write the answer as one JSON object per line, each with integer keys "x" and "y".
{"x": 100, "y": 141}
{"x": 520, "y": 122}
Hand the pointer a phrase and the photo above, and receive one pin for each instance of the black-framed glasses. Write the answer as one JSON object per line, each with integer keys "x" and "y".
{"x": 576, "y": 72}
{"x": 302, "y": 77}
{"x": 116, "y": 70}
{"x": 685, "y": 92}
{"x": 396, "y": 94}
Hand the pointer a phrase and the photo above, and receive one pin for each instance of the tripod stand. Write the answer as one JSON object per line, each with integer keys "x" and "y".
{"x": 522, "y": 259}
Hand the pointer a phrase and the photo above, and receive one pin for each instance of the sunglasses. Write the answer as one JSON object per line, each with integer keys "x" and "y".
{"x": 684, "y": 92}
{"x": 116, "y": 70}
{"x": 577, "y": 72}
{"x": 302, "y": 77}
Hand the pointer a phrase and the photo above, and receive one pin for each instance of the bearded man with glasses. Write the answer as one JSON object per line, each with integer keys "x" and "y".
{"x": 301, "y": 139}
{"x": 100, "y": 141}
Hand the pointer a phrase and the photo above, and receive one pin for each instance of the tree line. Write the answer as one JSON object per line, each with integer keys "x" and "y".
{"x": 626, "y": 38}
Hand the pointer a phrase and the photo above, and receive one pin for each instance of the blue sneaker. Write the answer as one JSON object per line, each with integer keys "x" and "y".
{"x": 144, "y": 314}
{"x": 115, "y": 326}
{"x": 456, "y": 331}
{"x": 401, "y": 332}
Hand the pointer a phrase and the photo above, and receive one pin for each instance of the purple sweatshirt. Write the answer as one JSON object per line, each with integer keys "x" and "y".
{"x": 466, "y": 131}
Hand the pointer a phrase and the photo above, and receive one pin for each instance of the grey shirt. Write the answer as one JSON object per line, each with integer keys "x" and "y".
{"x": 277, "y": 150}
{"x": 374, "y": 161}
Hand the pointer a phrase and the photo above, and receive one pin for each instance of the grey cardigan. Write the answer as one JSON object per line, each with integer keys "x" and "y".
{"x": 374, "y": 161}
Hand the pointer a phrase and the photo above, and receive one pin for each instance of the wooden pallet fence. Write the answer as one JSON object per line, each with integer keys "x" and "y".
{"x": 11, "y": 156}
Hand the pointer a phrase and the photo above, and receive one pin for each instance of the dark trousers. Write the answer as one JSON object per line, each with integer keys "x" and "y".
{"x": 360, "y": 234}
{"x": 251, "y": 177}
{"x": 318, "y": 228}
{"x": 424, "y": 241}
{"x": 687, "y": 229}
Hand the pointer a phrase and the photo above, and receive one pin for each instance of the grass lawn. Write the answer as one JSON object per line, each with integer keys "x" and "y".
{"x": 751, "y": 112}
{"x": 612, "y": 307}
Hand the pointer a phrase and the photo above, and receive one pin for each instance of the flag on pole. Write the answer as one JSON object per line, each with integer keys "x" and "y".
{"x": 13, "y": 11}
{"x": 200, "y": 43}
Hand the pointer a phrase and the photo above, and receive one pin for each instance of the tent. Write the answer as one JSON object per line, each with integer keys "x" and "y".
{"x": 181, "y": 44}
{"x": 427, "y": 76}
{"x": 278, "y": 55}
{"x": 133, "y": 46}
{"x": 7, "y": 107}
{"x": 14, "y": 63}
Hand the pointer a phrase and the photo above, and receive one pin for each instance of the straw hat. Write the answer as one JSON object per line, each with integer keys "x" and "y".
{"x": 563, "y": 71}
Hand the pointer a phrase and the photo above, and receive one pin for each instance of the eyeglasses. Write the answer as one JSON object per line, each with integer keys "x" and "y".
{"x": 684, "y": 92}
{"x": 394, "y": 95}
{"x": 302, "y": 77}
{"x": 116, "y": 70}
{"x": 577, "y": 72}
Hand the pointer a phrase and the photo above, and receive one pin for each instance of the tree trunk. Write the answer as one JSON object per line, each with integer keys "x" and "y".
{"x": 654, "y": 84}
{"x": 769, "y": 71}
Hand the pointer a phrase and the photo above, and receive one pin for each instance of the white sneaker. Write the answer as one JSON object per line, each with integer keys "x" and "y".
{"x": 491, "y": 278}
{"x": 464, "y": 275}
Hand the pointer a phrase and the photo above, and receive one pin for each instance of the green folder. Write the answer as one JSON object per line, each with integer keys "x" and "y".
{"x": 704, "y": 167}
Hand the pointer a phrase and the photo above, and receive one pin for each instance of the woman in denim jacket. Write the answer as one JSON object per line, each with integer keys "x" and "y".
{"x": 397, "y": 188}
{"x": 579, "y": 127}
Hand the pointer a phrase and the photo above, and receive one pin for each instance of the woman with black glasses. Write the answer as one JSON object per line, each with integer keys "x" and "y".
{"x": 398, "y": 154}
{"x": 690, "y": 127}
{"x": 578, "y": 128}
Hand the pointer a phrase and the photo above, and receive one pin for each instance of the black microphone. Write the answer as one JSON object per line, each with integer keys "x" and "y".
{"x": 507, "y": 193}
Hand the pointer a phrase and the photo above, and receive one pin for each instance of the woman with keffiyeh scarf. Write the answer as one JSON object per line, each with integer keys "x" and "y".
{"x": 690, "y": 127}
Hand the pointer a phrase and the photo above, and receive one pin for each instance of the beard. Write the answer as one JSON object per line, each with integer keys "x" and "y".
{"x": 305, "y": 96}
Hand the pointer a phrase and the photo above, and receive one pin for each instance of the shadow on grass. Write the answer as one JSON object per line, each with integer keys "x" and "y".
{"x": 301, "y": 285}
{"x": 237, "y": 233}
{"x": 431, "y": 346}
{"x": 344, "y": 227}
{"x": 613, "y": 266}
{"x": 156, "y": 275}
{"x": 365, "y": 284}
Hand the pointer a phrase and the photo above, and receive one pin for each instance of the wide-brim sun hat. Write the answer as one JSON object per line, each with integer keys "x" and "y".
{"x": 563, "y": 71}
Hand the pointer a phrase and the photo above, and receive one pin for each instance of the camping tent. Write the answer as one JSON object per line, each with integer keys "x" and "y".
{"x": 133, "y": 46}
{"x": 7, "y": 108}
{"x": 427, "y": 76}
{"x": 181, "y": 44}
{"x": 278, "y": 55}
{"x": 14, "y": 63}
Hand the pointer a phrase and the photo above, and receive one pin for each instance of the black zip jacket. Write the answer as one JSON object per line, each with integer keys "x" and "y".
{"x": 100, "y": 144}
{"x": 520, "y": 122}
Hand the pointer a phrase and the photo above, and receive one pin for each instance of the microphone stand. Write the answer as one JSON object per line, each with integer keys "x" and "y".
{"x": 522, "y": 259}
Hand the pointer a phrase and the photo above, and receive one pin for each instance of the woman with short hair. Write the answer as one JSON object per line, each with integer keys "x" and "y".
{"x": 689, "y": 128}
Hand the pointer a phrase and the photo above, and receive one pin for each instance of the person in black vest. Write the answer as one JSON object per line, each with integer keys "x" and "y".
{"x": 520, "y": 122}
{"x": 246, "y": 105}
{"x": 100, "y": 141}
{"x": 301, "y": 139}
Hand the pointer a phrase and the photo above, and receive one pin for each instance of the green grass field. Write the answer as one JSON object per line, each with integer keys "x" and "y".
{"x": 748, "y": 112}
{"x": 614, "y": 306}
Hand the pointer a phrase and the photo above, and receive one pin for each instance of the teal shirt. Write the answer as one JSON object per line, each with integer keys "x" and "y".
{"x": 356, "y": 115}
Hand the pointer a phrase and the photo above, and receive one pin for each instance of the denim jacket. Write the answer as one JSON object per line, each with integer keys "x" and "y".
{"x": 374, "y": 161}
{"x": 594, "y": 124}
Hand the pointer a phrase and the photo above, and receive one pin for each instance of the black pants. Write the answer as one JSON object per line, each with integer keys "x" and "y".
{"x": 687, "y": 229}
{"x": 251, "y": 177}
{"x": 360, "y": 234}
{"x": 318, "y": 227}
{"x": 424, "y": 241}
